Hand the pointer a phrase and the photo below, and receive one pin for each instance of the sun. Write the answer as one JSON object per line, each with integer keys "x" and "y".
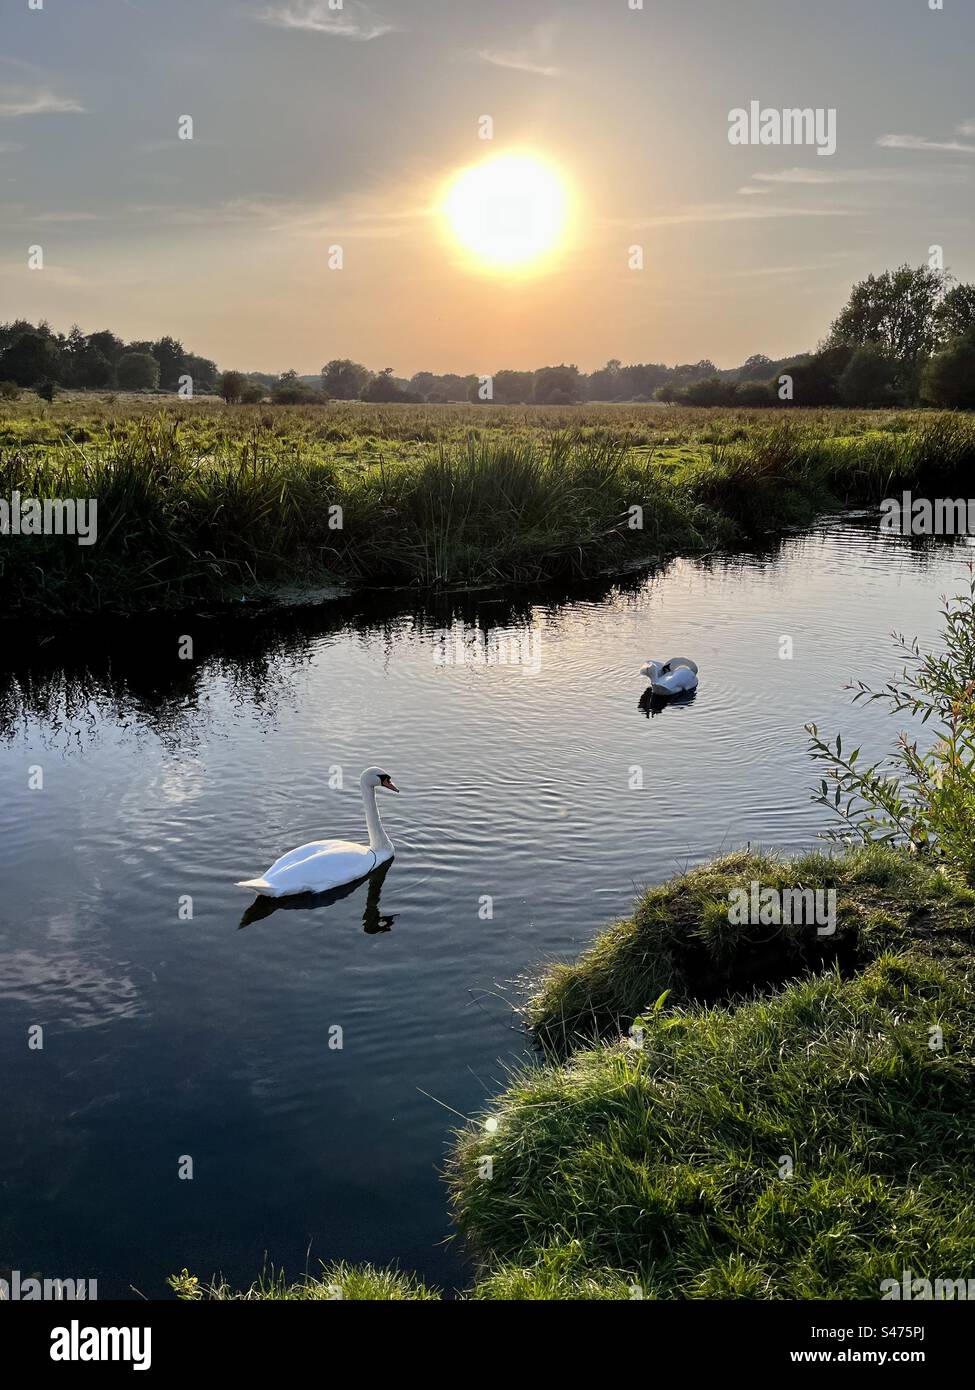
{"x": 510, "y": 213}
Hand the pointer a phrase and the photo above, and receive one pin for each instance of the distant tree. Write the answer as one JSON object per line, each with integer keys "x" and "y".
{"x": 171, "y": 356}
{"x": 107, "y": 344}
{"x": 642, "y": 379}
{"x": 203, "y": 372}
{"x": 91, "y": 369}
{"x": 32, "y": 358}
{"x": 898, "y": 313}
{"x": 344, "y": 380}
{"x": 753, "y": 393}
{"x": 512, "y": 387}
{"x": 422, "y": 383}
{"x": 704, "y": 370}
{"x": 814, "y": 378}
{"x": 758, "y": 367}
{"x": 956, "y": 312}
{"x": 231, "y": 386}
{"x": 47, "y": 390}
{"x": 137, "y": 371}
{"x": 9, "y": 390}
{"x": 561, "y": 380}
{"x": 609, "y": 383}
{"x": 384, "y": 389}
{"x": 710, "y": 391}
{"x": 868, "y": 379}
{"x": 948, "y": 379}
{"x": 290, "y": 390}
{"x": 252, "y": 393}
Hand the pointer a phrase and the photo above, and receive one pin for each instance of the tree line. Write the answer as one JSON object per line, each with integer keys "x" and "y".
{"x": 905, "y": 337}
{"x": 34, "y": 356}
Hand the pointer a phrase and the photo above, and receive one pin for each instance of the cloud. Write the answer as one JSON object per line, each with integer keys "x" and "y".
{"x": 531, "y": 59}
{"x": 823, "y": 176}
{"x": 731, "y": 212}
{"x": 519, "y": 62}
{"x": 921, "y": 142}
{"x": 966, "y": 128}
{"x": 750, "y": 189}
{"x": 354, "y": 21}
{"x": 35, "y": 101}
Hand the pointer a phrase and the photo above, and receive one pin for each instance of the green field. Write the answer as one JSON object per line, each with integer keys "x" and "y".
{"x": 202, "y": 502}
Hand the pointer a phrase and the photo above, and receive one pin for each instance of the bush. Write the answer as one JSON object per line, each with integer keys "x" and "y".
{"x": 924, "y": 801}
{"x": 47, "y": 390}
{"x": 9, "y": 390}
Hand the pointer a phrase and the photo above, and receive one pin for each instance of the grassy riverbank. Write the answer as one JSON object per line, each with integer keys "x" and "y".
{"x": 204, "y": 502}
{"x": 732, "y": 1112}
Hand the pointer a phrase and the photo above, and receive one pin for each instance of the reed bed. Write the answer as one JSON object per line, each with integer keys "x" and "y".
{"x": 204, "y": 503}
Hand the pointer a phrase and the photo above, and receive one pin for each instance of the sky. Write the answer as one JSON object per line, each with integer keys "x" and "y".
{"x": 322, "y": 123}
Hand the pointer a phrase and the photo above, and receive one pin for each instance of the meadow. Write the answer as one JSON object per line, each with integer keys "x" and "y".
{"x": 203, "y": 502}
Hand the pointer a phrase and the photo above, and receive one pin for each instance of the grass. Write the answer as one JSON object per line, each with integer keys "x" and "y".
{"x": 337, "y": 1282}
{"x": 788, "y": 1119}
{"x": 201, "y": 502}
{"x": 804, "y": 1142}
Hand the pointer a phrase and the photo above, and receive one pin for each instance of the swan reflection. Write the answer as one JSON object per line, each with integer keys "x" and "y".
{"x": 373, "y": 921}
{"x": 651, "y": 704}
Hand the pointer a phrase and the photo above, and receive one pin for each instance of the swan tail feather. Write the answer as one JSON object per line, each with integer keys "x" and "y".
{"x": 256, "y": 885}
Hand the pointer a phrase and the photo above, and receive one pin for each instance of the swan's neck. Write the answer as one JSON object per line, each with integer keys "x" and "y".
{"x": 378, "y": 839}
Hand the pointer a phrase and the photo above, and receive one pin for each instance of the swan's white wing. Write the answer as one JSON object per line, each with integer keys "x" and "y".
{"x": 676, "y": 661}
{"x": 316, "y": 867}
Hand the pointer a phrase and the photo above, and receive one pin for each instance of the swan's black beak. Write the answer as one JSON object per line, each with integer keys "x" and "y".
{"x": 390, "y": 785}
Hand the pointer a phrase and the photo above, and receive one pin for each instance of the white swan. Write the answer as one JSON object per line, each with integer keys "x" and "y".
{"x": 673, "y": 677}
{"x": 324, "y": 864}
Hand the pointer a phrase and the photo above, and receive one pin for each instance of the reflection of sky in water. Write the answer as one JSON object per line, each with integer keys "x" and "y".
{"x": 166, "y": 1036}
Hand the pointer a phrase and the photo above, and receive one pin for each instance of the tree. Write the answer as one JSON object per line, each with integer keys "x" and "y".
{"x": 385, "y": 390}
{"x": 898, "y": 312}
{"x": 231, "y": 386}
{"x": 948, "y": 380}
{"x": 108, "y": 344}
{"x": 561, "y": 381}
{"x": 91, "y": 369}
{"x": 32, "y": 358}
{"x": 513, "y": 388}
{"x": 608, "y": 383}
{"x": 170, "y": 356}
{"x": 201, "y": 371}
{"x": 344, "y": 380}
{"x": 815, "y": 378}
{"x": 956, "y": 312}
{"x": 138, "y": 371}
{"x": 868, "y": 378}
{"x": 290, "y": 390}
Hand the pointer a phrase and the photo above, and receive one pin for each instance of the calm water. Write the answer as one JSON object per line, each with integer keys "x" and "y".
{"x": 162, "y": 778}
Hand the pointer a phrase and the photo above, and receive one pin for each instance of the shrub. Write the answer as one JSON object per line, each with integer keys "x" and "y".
{"x": 925, "y": 801}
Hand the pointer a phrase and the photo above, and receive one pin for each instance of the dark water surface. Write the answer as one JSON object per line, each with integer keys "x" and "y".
{"x": 162, "y": 778}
